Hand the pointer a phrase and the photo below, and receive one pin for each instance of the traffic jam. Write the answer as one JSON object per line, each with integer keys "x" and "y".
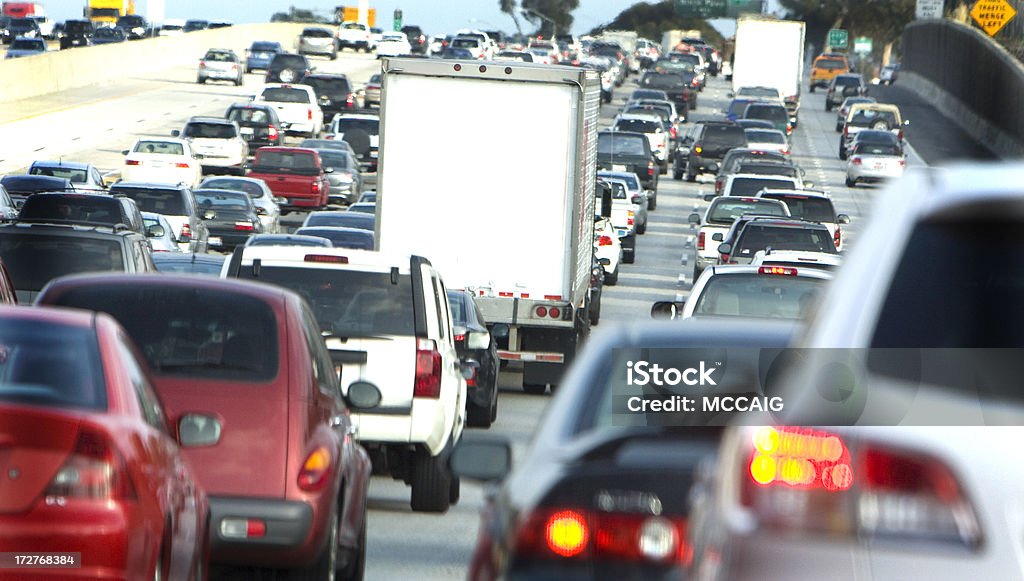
{"x": 383, "y": 305}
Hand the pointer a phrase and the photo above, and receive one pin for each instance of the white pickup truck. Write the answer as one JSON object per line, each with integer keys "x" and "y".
{"x": 296, "y": 105}
{"x": 717, "y": 220}
{"x": 355, "y": 35}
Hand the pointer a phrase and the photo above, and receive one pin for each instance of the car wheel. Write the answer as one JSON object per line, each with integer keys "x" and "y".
{"x": 354, "y": 566}
{"x": 611, "y": 278}
{"x": 478, "y": 416}
{"x": 334, "y": 55}
{"x": 534, "y": 389}
{"x": 629, "y": 257}
{"x": 238, "y": 82}
{"x": 652, "y": 201}
{"x": 828, "y": 105}
{"x": 839, "y": 128}
{"x": 326, "y": 565}
{"x": 677, "y": 174}
{"x": 842, "y": 153}
{"x": 812, "y": 88}
{"x": 642, "y": 228}
{"x": 201, "y": 80}
{"x": 690, "y": 177}
{"x": 850, "y": 183}
{"x": 431, "y": 483}
{"x": 595, "y": 312}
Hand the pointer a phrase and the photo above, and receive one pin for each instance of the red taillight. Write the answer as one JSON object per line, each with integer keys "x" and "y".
{"x": 460, "y": 337}
{"x": 182, "y": 165}
{"x": 650, "y": 169}
{"x": 630, "y": 218}
{"x": 471, "y": 380}
{"x": 272, "y": 133}
{"x": 244, "y": 226}
{"x": 186, "y": 233}
{"x": 838, "y": 237}
{"x": 315, "y": 470}
{"x": 554, "y": 312}
{"x": 899, "y": 135}
{"x": 700, "y": 241}
{"x": 719, "y": 184}
{"x": 309, "y": 114}
{"x": 855, "y": 160}
{"x": 422, "y": 38}
{"x": 800, "y": 458}
{"x": 777, "y": 270}
{"x": 326, "y": 258}
{"x": 541, "y": 311}
{"x": 428, "y": 370}
{"x": 315, "y": 187}
{"x": 846, "y": 130}
{"x": 95, "y": 470}
{"x": 132, "y": 162}
{"x": 695, "y": 82}
{"x": 570, "y": 533}
{"x": 351, "y": 99}
{"x": 604, "y": 241}
{"x": 903, "y": 163}
{"x": 672, "y": 132}
{"x": 202, "y": 65}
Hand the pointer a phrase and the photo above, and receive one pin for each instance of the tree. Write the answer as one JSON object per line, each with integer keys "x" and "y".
{"x": 549, "y": 16}
{"x": 509, "y": 7}
{"x": 651, "y": 20}
{"x": 881, "y": 20}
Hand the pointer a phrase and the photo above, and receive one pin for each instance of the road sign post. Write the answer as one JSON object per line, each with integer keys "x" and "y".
{"x": 862, "y": 45}
{"x": 397, "y": 27}
{"x": 992, "y": 15}
{"x": 838, "y": 38}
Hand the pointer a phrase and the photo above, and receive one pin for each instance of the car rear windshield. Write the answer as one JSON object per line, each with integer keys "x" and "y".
{"x": 77, "y": 176}
{"x": 289, "y": 61}
{"x": 35, "y": 259}
{"x": 28, "y": 44}
{"x": 285, "y": 95}
{"x": 166, "y": 202}
{"x": 773, "y": 169}
{"x": 328, "y": 86}
{"x": 342, "y": 219}
{"x": 251, "y": 188}
{"x": 637, "y": 125}
{"x": 159, "y": 147}
{"x": 663, "y": 81}
{"x": 756, "y": 237}
{"x": 348, "y": 303}
{"x": 847, "y": 81}
{"x": 721, "y": 136}
{"x": 223, "y": 200}
{"x": 648, "y": 94}
{"x": 880, "y": 120}
{"x": 371, "y": 126}
{"x": 341, "y": 238}
{"x": 830, "y": 64}
{"x": 289, "y": 161}
{"x": 738, "y": 106}
{"x": 317, "y": 33}
{"x": 77, "y": 208}
{"x": 334, "y": 159}
{"x": 765, "y": 136}
{"x": 265, "y": 47}
{"x": 770, "y": 112}
{"x": 353, "y": 26}
{"x": 465, "y": 43}
{"x": 807, "y": 207}
{"x": 726, "y": 211}
{"x": 758, "y": 295}
{"x": 220, "y": 57}
{"x": 758, "y": 92}
{"x": 211, "y": 130}
{"x": 190, "y": 331}
{"x": 611, "y": 144}
{"x": 742, "y": 186}
{"x": 51, "y": 365}
{"x": 248, "y": 115}
{"x": 877, "y": 149}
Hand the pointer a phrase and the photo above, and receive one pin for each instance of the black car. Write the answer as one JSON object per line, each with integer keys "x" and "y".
{"x": 76, "y": 33}
{"x": 134, "y": 26}
{"x": 843, "y": 86}
{"x": 188, "y": 263}
{"x": 417, "y": 40}
{"x": 5, "y": 34}
{"x": 342, "y": 219}
{"x": 108, "y": 35}
{"x": 476, "y": 349}
{"x": 630, "y": 152}
{"x": 334, "y": 93}
{"x": 196, "y": 25}
{"x": 604, "y": 490}
{"x": 679, "y": 87}
{"x": 23, "y": 27}
{"x": 258, "y": 125}
{"x": 35, "y": 254}
{"x": 233, "y": 217}
{"x": 119, "y": 213}
{"x": 23, "y": 186}
{"x": 711, "y": 140}
{"x": 288, "y": 68}
{"x": 341, "y": 237}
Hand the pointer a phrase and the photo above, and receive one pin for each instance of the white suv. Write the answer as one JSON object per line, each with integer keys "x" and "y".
{"x": 386, "y": 320}
{"x": 220, "y": 143}
{"x": 356, "y": 36}
{"x": 296, "y": 106}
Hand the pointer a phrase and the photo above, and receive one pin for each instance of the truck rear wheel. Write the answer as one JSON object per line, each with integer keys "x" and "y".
{"x": 431, "y": 483}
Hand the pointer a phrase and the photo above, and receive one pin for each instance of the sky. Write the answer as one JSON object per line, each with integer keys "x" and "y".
{"x": 434, "y": 16}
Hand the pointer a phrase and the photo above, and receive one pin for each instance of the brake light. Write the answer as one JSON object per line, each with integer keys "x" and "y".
{"x": 471, "y": 380}
{"x": 846, "y": 130}
{"x": 315, "y": 187}
{"x": 837, "y": 238}
{"x": 309, "y": 114}
{"x": 672, "y": 132}
{"x": 132, "y": 162}
{"x": 202, "y": 65}
{"x": 541, "y": 311}
{"x": 182, "y": 165}
{"x": 700, "y": 241}
{"x": 571, "y": 533}
{"x": 460, "y": 337}
{"x": 629, "y": 217}
{"x": 247, "y": 226}
{"x": 351, "y": 99}
{"x": 902, "y": 162}
{"x": 272, "y": 133}
{"x": 242, "y": 528}
{"x": 95, "y": 470}
{"x": 234, "y": 67}
{"x": 695, "y": 82}
{"x": 650, "y": 168}
{"x": 428, "y": 370}
{"x": 315, "y": 470}
{"x": 719, "y": 184}
{"x": 855, "y": 160}
{"x": 604, "y": 241}
{"x": 186, "y": 233}
{"x": 777, "y": 270}
{"x": 326, "y": 258}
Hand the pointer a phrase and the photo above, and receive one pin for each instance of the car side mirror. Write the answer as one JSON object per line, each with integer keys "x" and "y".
{"x": 709, "y": 197}
{"x": 694, "y": 218}
{"x": 328, "y": 170}
{"x": 175, "y": 133}
{"x": 362, "y": 395}
{"x": 198, "y": 430}
{"x": 843, "y": 219}
{"x": 717, "y": 237}
{"x": 808, "y": 185}
{"x": 636, "y": 199}
{"x": 155, "y": 231}
{"x": 209, "y": 215}
{"x": 906, "y": 122}
{"x": 484, "y": 458}
{"x": 124, "y": 152}
{"x": 478, "y": 340}
{"x": 279, "y": 200}
{"x": 665, "y": 310}
{"x": 724, "y": 248}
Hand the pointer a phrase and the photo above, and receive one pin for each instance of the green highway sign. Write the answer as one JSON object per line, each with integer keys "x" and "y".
{"x": 737, "y": 8}
{"x": 701, "y": 8}
{"x": 838, "y": 38}
{"x": 862, "y": 44}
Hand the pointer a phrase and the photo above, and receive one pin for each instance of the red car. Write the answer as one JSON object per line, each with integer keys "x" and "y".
{"x": 293, "y": 173}
{"x": 90, "y": 465}
{"x": 245, "y": 374}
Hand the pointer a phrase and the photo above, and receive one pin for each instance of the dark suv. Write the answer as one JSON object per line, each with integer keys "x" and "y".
{"x": 678, "y": 86}
{"x": 35, "y": 254}
{"x": 334, "y": 93}
{"x": 288, "y": 68}
{"x": 76, "y": 33}
{"x": 258, "y": 124}
{"x": 843, "y": 86}
{"x": 417, "y": 40}
{"x": 118, "y": 213}
{"x": 134, "y": 26}
{"x": 710, "y": 141}
{"x": 629, "y": 152}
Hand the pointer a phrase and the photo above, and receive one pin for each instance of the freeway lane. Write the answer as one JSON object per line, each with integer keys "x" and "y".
{"x": 95, "y": 124}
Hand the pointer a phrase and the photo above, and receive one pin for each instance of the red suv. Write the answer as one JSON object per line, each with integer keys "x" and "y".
{"x": 248, "y": 381}
{"x": 89, "y": 461}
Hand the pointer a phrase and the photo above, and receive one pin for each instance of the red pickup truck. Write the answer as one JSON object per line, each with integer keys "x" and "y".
{"x": 293, "y": 173}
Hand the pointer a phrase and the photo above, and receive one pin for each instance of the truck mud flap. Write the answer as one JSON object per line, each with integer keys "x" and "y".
{"x": 547, "y": 340}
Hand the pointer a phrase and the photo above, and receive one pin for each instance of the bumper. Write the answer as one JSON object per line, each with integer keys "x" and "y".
{"x": 301, "y": 201}
{"x": 219, "y": 75}
{"x": 302, "y": 127}
{"x": 257, "y": 64}
{"x": 234, "y": 162}
{"x": 424, "y": 422}
{"x": 703, "y": 262}
{"x": 316, "y": 49}
{"x": 290, "y": 539}
{"x": 861, "y": 173}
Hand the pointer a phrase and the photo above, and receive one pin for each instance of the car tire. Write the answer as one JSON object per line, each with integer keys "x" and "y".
{"x": 431, "y": 483}
{"x": 594, "y": 313}
{"x": 534, "y": 389}
{"x": 478, "y": 416}
{"x": 652, "y": 202}
{"x": 691, "y": 177}
{"x": 334, "y": 56}
{"x": 850, "y": 183}
{"x": 629, "y": 257}
{"x": 842, "y": 153}
{"x": 812, "y": 88}
{"x": 354, "y": 567}
{"x": 839, "y": 128}
{"x": 642, "y": 228}
{"x": 201, "y": 80}
{"x": 828, "y": 105}
{"x": 238, "y": 82}
{"x": 677, "y": 174}
{"x": 611, "y": 278}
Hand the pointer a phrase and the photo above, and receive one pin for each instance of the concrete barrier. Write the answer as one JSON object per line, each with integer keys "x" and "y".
{"x": 74, "y": 68}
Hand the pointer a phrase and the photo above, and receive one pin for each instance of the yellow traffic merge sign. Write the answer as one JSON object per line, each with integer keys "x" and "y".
{"x": 992, "y": 15}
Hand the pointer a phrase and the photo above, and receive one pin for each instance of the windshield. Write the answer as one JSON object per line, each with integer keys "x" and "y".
{"x": 884, "y": 149}
{"x": 50, "y": 365}
{"x": 465, "y": 43}
{"x": 238, "y": 201}
{"x": 756, "y": 237}
{"x": 77, "y": 176}
{"x": 775, "y": 113}
{"x": 252, "y": 189}
{"x": 166, "y": 202}
{"x": 289, "y": 61}
{"x": 611, "y": 144}
{"x": 738, "y": 106}
{"x": 265, "y": 47}
{"x": 743, "y": 186}
{"x": 159, "y": 148}
{"x": 349, "y": 303}
{"x": 317, "y": 33}
{"x": 882, "y": 120}
{"x": 830, "y": 64}
{"x": 287, "y": 160}
{"x": 763, "y": 136}
{"x": 211, "y": 130}
{"x": 28, "y": 44}
{"x": 341, "y": 237}
{"x": 725, "y": 211}
{"x": 248, "y": 115}
{"x": 334, "y": 159}
{"x": 221, "y": 57}
{"x": 812, "y": 208}
{"x": 758, "y": 295}
{"x": 342, "y": 219}
{"x": 637, "y": 126}
{"x": 758, "y": 92}
{"x": 35, "y": 259}
{"x": 767, "y": 169}
{"x": 345, "y": 124}
{"x": 328, "y": 86}
{"x": 285, "y": 95}
{"x": 663, "y": 81}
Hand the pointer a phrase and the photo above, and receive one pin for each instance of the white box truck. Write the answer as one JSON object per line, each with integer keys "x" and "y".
{"x": 770, "y": 53}
{"x": 488, "y": 170}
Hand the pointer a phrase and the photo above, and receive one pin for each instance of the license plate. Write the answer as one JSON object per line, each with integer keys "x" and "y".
{"x": 878, "y": 166}
{"x": 214, "y": 241}
{"x": 618, "y": 167}
{"x": 620, "y": 233}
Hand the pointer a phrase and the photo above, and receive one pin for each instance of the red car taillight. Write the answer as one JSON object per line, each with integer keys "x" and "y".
{"x": 672, "y": 132}
{"x": 471, "y": 380}
{"x": 186, "y": 233}
{"x": 837, "y": 238}
{"x": 428, "y": 370}
{"x": 719, "y": 184}
{"x": 351, "y": 99}
{"x": 630, "y": 217}
{"x": 315, "y": 469}
{"x": 650, "y": 168}
{"x": 315, "y": 187}
{"x": 272, "y": 133}
{"x": 700, "y": 241}
{"x": 95, "y": 470}
{"x": 604, "y": 241}
{"x": 182, "y": 165}
{"x": 132, "y": 162}
{"x": 573, "y": 533}
{"x": 246, "y": 226}
{"x": 855, "y": 160}
{"x": 309, "y": 114}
